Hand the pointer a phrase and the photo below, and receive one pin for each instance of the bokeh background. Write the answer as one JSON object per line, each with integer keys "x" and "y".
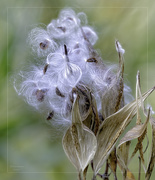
{"x": 29, "y": 148}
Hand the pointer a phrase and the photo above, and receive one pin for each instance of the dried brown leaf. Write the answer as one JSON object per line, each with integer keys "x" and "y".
{"x": 79, "y": 142}
{"x": 130, "y": 176}
{"x": 135, "y": 132}
{"x": 139, "y": 131}
{"x": 113, "y": 161}
{"x": 139, "y": 146}
{"x": 152, "y": 157}
{"x": 127, "y": 174}
{"x": 111, "y": 129}
{"x": 122, "y": 155}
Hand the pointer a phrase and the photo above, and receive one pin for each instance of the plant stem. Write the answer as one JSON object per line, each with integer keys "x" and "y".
{"x": 139, "y": 168}
{"x": 80, "y": 177}
{"x": 106, "y": 171}
{"x": 94, "y": 177}
{"x": 85, "y": 173}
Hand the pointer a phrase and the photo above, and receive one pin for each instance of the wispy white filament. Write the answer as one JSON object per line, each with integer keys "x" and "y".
{"x": 69, "y": 62}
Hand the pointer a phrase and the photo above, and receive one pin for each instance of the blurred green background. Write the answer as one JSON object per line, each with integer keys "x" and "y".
{"x": 29, "y": 148}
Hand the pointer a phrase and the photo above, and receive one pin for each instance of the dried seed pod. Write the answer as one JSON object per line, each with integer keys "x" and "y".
{"x": 79, "y": 142}
{"x": 44, "y": 44}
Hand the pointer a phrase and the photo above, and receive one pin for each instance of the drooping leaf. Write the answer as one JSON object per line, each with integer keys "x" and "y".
{"x": 143, "y": 130}
{"x": 130, "y": 176}
{"x": 134, "y": 133}
{"x": 123, "y": 155}
{"x": 79, "y": 142}
{"x": 152, "y": 157}
{"x": 139, "y": 132}
{"x": 111, "y": 129}
{"x": 127, "y": 174}
{"x": 113, "y": 162}
{"x": 139, "y": 147}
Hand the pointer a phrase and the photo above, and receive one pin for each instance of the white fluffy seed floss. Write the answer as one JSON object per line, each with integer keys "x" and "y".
{"x": 70, "y": 65}
{"x": 84, "y": 97}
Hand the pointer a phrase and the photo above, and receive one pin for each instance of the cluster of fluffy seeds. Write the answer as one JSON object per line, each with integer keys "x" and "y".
{"x": 70, "y": 64}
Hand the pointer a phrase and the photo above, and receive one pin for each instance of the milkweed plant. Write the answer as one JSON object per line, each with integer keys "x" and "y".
{"x": 77, "y": 90}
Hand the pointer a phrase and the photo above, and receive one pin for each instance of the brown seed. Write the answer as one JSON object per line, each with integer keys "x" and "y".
{"x": 76, "y": 46}
{"x": 50, "y": 116}
{"x": 62, "y": 28}
{"x": 44, "y": 44}
{"x": 65, "y": 48}
{"x": 71, "y": 98}
{"x": 68, "y": 108}
{"x": 92, "y": 60}
{"x": 40, "y": 94}
{"x": 45, "y": 68}
{"x": 71, "y": 19}
{"x": 58, "y": 92}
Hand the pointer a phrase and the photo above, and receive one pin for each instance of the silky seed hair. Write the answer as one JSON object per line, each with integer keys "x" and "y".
{"x": 69, "y": 63}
